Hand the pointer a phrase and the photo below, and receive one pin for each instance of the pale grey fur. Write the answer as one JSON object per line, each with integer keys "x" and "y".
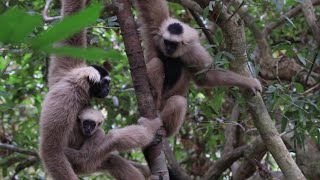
{"x": 95, "y": 153}
{"x": 154, "y": 19}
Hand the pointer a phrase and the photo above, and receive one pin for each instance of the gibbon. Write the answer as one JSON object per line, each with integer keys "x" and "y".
{"x": 60, "y": 108}
{"x": 91, "y": 150}
{"x": 71, "y": 85}
{"x": 174, "y": 57}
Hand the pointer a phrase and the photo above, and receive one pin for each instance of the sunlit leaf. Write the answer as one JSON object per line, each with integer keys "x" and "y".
{"x": 68, "y": 26}
{"x": 16, "y": 25}
{"x": 82, "y": 53}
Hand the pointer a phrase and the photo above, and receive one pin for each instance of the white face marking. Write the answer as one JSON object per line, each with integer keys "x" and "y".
{"x": 107, "y": 78}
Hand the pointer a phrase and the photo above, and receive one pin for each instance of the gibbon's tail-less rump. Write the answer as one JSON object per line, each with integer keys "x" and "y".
{"x": 174, "y": 57}
{"x": 91, "y": 150}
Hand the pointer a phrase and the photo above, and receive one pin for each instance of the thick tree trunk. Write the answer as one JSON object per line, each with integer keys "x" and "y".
{"x": 153, "y": 154}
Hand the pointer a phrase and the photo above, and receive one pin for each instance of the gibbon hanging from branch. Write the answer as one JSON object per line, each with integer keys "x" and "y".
{"x": 174, "y": 57}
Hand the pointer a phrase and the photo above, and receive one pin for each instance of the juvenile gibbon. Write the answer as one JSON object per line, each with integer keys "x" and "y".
{"x": 91, "y": 150}
{"x": 174, "y": 57}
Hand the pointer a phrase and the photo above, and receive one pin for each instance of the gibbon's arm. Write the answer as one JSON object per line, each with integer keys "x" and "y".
{"x": 155, "y": 73}
{"x": 59, "y": 113}
{"x": 124, "y": 139}
{"x": 152, "y": 14}
{"x": 199, "y": 59}
{"x": 59, "y": 66}
{"x": 87, "y": 150}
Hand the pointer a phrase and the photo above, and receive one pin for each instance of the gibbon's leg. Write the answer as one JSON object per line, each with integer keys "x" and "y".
{"x": 227, "y": 78}
{"x": 120, "y": 168}
{"x": 156, "y": 77}
{"x": 173, "y": 114}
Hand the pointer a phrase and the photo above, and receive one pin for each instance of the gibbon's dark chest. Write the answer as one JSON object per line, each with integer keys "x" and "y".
{"x": 172, "y": 70}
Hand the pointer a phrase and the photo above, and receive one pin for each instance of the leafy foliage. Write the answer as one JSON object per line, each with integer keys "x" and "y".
{"x": 26, "y": 42}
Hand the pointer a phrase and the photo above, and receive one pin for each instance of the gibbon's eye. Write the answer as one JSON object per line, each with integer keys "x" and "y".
{"x": 171, "y": 46}
{"x": 99, "y": 124}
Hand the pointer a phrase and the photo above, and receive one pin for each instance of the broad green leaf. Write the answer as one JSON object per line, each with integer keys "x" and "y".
{"x": 82, "y": 53}
{"x": 68, "y": 26}
{"x": 16, "y": 25}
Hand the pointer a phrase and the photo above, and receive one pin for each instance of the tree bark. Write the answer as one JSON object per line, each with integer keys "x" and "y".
{"x": 153, "y": 154}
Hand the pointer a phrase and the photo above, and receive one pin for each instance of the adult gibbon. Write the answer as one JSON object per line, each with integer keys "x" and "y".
{"x": 60, "y": 109}
{"x": 174, "y": 57}
{"x": 90, "y": 149}
{"x": 71, "y": 85}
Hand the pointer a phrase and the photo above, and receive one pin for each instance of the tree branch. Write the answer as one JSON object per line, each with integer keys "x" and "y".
{"x": 224, "y": 163}
{"x": 45, "y": 13}
{"x": 173, "y": 164}
{"x": 153, "y": 154}
{"x": 235, "y": 39}
{"x": 19, "y": 150}
{"x": 282, "y": 19}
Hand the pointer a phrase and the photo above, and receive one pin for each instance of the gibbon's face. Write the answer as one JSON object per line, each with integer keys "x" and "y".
{"x": 172, "y": 40}
{"x": 101, "y": 89}
{"x": 90, "y": 120}
{"x": 89, "y": 127}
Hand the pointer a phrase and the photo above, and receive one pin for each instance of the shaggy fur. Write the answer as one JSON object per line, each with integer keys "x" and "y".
{"x": 95, "y": 153}
{"x": 60, "y": 109}
{"x": 170, "y": 73}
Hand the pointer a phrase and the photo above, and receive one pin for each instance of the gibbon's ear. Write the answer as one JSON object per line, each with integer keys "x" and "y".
{"x": 107, "y": 65}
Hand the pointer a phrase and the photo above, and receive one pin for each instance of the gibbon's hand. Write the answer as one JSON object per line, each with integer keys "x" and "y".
{"x": 93, "y": 74}
{"x": 153, "y": 124}
{"x": 90, "y": 72}
{"x": 255, "y": 86}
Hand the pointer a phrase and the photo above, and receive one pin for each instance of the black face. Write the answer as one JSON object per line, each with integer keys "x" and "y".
{"x": 101, "y": 89}
{"x": 171, "y": 46}
{"x": 88, "y": 126}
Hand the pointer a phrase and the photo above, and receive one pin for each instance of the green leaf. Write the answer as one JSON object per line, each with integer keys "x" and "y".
{"x": 299, "y": 87}
{"x": 68, "y": 26}
{"x": 289, "y": 20}
{"x": 271, "y": 89}
{"x": 82, "y": 53}
{"x": 205, "y": 12}
{"x": 16, "y": 25}
{"x": 229, "y": 55}
{"x": 302, "y": 59}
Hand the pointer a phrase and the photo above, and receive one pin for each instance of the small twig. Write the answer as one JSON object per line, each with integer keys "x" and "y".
{"x": 19, "y": 150}
{"x": 45, "y": 15}
{"x": 313, "y": 62}
{"x": 202, "y": 26}
{"x": 311, "y": 89}
{"x": 5, "y": 69}
{"x": 242, "y": 3}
